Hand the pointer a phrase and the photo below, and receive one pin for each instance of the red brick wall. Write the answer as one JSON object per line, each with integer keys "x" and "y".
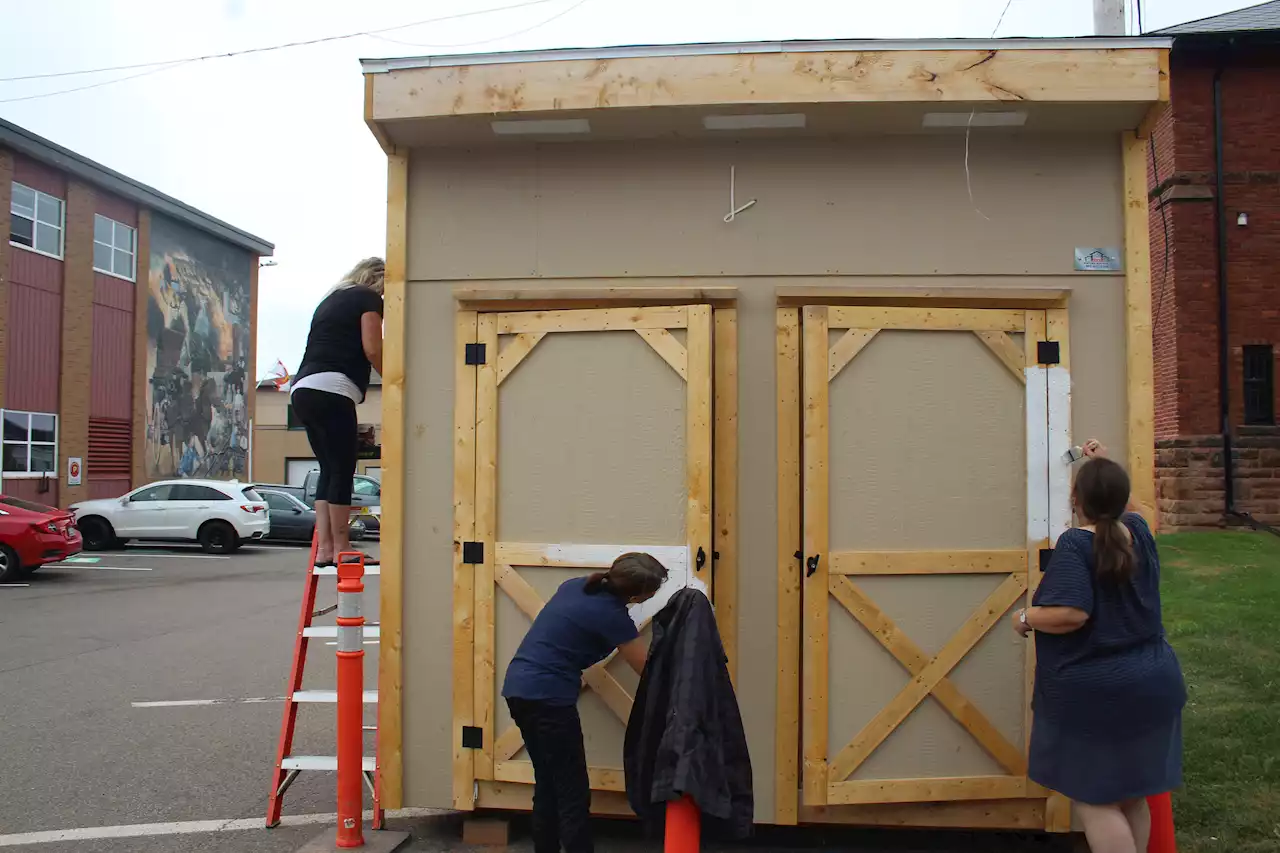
{"x": 1185, "y": 289}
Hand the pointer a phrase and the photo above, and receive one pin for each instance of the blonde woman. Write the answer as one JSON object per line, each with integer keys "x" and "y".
{"x": 344, "y": 343}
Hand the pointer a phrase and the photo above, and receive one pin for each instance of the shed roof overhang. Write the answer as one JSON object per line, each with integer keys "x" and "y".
{"x": 850, "y": 87}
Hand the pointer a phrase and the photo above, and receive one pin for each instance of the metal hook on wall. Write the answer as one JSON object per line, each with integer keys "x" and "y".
{"x": 734, "y": 210}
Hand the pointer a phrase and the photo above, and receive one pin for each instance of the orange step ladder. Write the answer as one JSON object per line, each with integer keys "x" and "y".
{"x": 288, "y": 766}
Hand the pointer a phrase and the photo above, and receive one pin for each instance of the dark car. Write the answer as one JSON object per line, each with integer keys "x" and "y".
{"x": 33, "y": 534}
{"x": 294, "y": 521}
{"x": 366, "y": 492}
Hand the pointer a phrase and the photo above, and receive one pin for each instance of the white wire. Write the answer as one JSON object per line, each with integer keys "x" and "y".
{"x": 968, "y": 128}
{"x": 557, "y": 16}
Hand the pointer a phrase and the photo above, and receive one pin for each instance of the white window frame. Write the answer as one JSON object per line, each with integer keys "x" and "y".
{"x": 29, "y": 474}
{"x": 116, "y": 227}
{"x": 62, "y": 222}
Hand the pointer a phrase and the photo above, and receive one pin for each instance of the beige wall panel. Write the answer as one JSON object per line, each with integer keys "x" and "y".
{"x": 591, "y": 444}
{"x": 428, "y": 552}
{"x": 848, "y": 206}
{"x": 927, "y": 446}
{"x": 1098, "y": 364}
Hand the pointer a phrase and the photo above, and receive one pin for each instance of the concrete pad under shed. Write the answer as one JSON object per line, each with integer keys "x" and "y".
{"x": 375, "y": 841}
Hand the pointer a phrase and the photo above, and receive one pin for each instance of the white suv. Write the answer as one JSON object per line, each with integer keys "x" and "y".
{"x": 217, "y": 514}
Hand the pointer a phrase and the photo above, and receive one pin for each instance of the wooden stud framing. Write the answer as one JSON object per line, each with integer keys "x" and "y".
{"x": 601, "y": 778}
{"x": 698, "y": 438}
{"x": 464, "y": 525}
{"x": 391, "y": 651}
{"x": 728, "y": 79}
{"x": 923, "y": 296}
{"x": 882, "y": 725}
{"x": 790, "y": 539}
{"x": 849, "y": 345}
{"x": 724, "y": 483}
{"x": 1139, "y": 354}
{"x": 665, "y": 345}
{"x": 816, "y": 370}
{"x": 961, "y": 814}
{"x": 931, "y": 319}
{"x": 933, "y": 789}
{"x": 486, "y": 533}
{"x": 596, "y": 319}
{"x": 1006, "y": 350}
{"x": 928, "y": 562}
{"x": 515, "y": 796}
{"x": 515, "y": 353}
{"x": 914, "y": 660}
{"x": 376, "y": 129}
{"x": 567, "y": 298}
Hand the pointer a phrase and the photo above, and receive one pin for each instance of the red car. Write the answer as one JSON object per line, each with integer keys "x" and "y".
{"x": 31, "y": 535}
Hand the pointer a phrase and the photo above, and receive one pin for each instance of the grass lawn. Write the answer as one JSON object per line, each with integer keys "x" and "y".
{"x": 1221, "y": 594}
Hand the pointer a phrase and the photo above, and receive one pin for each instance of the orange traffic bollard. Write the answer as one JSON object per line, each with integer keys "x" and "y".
{"x": 684, "y": 826}
{"x": 1162, "y": 840}
{"x": 350, "y": 700}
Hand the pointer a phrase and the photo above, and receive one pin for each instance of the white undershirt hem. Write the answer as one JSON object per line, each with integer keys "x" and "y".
{"x": 331, "y": 381}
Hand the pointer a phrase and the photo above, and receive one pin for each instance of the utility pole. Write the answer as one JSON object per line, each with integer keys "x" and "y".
{"x": 1108, "y": 18}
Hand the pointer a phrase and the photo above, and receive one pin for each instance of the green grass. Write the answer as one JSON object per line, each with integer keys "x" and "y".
{"x": 1221, "y": 594}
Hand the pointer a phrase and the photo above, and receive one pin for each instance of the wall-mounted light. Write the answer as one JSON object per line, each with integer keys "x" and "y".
{"x": 262, "y": 264}
{"x": 1242, "y": 219}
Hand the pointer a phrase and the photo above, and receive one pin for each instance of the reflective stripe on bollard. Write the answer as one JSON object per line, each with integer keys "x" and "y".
{"x": 350, "y": 679}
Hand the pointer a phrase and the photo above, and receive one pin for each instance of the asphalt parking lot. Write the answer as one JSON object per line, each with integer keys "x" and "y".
{"x": 141, "y": 710}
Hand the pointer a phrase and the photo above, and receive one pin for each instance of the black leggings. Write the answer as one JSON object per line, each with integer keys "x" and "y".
{"x": 561, "y": 789}
{"x": 330, "y": 420}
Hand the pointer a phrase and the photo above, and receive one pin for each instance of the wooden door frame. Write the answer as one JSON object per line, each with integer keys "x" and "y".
{"x": 481, "y": 779}
{"x": 1050, "y": 811}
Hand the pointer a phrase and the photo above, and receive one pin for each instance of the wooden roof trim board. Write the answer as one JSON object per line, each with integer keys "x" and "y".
{"x": 925, "y": 297}
{"x": 872, "y": 75}
{"x": 548, "y": 299}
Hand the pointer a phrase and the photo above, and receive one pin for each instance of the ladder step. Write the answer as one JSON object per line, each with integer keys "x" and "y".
{"x": 323, "y": 762}
{"x": 332, "y": 571}
{"x": 330, "y": 697}
{"x": 371, "y": 632}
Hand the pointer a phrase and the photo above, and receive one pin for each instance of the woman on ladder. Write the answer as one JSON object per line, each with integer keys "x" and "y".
{"x": 580, "y": 626}
{"x": 344, "y": 343}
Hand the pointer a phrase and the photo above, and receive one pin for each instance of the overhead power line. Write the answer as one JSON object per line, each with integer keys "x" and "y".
{"x": 557, "y": 16}
{"x": 269, "y": 48}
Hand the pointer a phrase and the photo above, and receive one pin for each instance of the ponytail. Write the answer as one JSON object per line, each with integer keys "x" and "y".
{"x": 1101, "y": 495}
{"x": 631, "y": 576}
{"x": 1112, "y": 551}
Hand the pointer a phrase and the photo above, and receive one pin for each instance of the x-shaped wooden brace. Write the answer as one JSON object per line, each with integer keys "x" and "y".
{"x": 597, "y": 678}
{"x": 929, "y": 676}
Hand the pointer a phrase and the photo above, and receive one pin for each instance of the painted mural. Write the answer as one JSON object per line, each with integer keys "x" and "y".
{"x": 198, "y": 341}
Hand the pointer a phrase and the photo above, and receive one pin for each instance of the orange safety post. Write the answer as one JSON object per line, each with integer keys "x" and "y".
{"x": 684, "y": 826}
{"x": 350, "y": 679}
{"x": 1162, "y": 840}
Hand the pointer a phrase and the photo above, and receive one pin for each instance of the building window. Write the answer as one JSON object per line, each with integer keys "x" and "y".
{"x": 291, "y": 419}
{"x": 30, "y": 443}
{"x": 36, "y": 221}
{"x": 1259, "y": 384}
{"x": 114, "y": 248}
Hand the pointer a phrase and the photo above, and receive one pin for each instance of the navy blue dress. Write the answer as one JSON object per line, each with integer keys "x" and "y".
{"x": 1108, "y": 698}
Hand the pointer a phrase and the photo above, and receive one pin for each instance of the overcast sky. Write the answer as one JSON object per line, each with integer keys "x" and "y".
{"x": 275, "y": 143}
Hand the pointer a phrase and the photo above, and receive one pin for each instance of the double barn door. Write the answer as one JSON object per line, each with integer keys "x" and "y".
{"x": 927, "y": 498}
{"x": 591, "y": 437}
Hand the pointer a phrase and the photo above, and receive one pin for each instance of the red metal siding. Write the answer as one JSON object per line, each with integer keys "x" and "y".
{"x": 39, "y": 177}
{"x": 34, "y": 349}
{"x": 117, "y": 209}
{"x": 113, "y": 292}
{"x": 35, "y": 270}
{"x": 111, "y": 379}
{"x": 29, "y": 490}
{"x": 110, "y": 461}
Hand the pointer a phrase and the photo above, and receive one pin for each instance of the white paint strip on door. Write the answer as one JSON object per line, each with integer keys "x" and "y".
{"x": 189, "y": 703}
{"x": 1059, "y": 401}
{"x": 1037, "y": 455}
{"x": 188, "y": 827}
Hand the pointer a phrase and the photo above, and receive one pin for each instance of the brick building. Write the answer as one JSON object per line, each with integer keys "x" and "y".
{"x": 126, "y": 330}
{"x": 1215, "y": 253}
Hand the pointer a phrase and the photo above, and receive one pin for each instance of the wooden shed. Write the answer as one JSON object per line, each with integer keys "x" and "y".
{"x": 811, "y": 322}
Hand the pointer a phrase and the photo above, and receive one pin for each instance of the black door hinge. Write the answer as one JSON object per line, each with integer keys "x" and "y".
{"x": 472, "y": 737}
{"x": 473, "y": 552}
{"x": 1048, "y": 352}
{"x": 1046, "y": 554}
{"x": 811, "y": 566}
{"x": 700, "y": 560}
{"x": 475, "y": 354}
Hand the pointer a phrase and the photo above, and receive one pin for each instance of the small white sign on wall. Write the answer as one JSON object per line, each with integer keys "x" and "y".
{"x": 1092, "y": 259}
{"x": 75, "y": 470}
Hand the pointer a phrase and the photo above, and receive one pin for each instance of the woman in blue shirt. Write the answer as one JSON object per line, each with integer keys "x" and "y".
{"x": 580, "y": 626}
{"x": 1109, "y": 692}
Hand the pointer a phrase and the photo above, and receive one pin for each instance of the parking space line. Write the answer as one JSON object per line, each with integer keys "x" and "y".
{"x": 14, "y": 584}
{"x": 189, "y": 703}
{"x": 81, "y": 568}
{"x": 187, "y": 827}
